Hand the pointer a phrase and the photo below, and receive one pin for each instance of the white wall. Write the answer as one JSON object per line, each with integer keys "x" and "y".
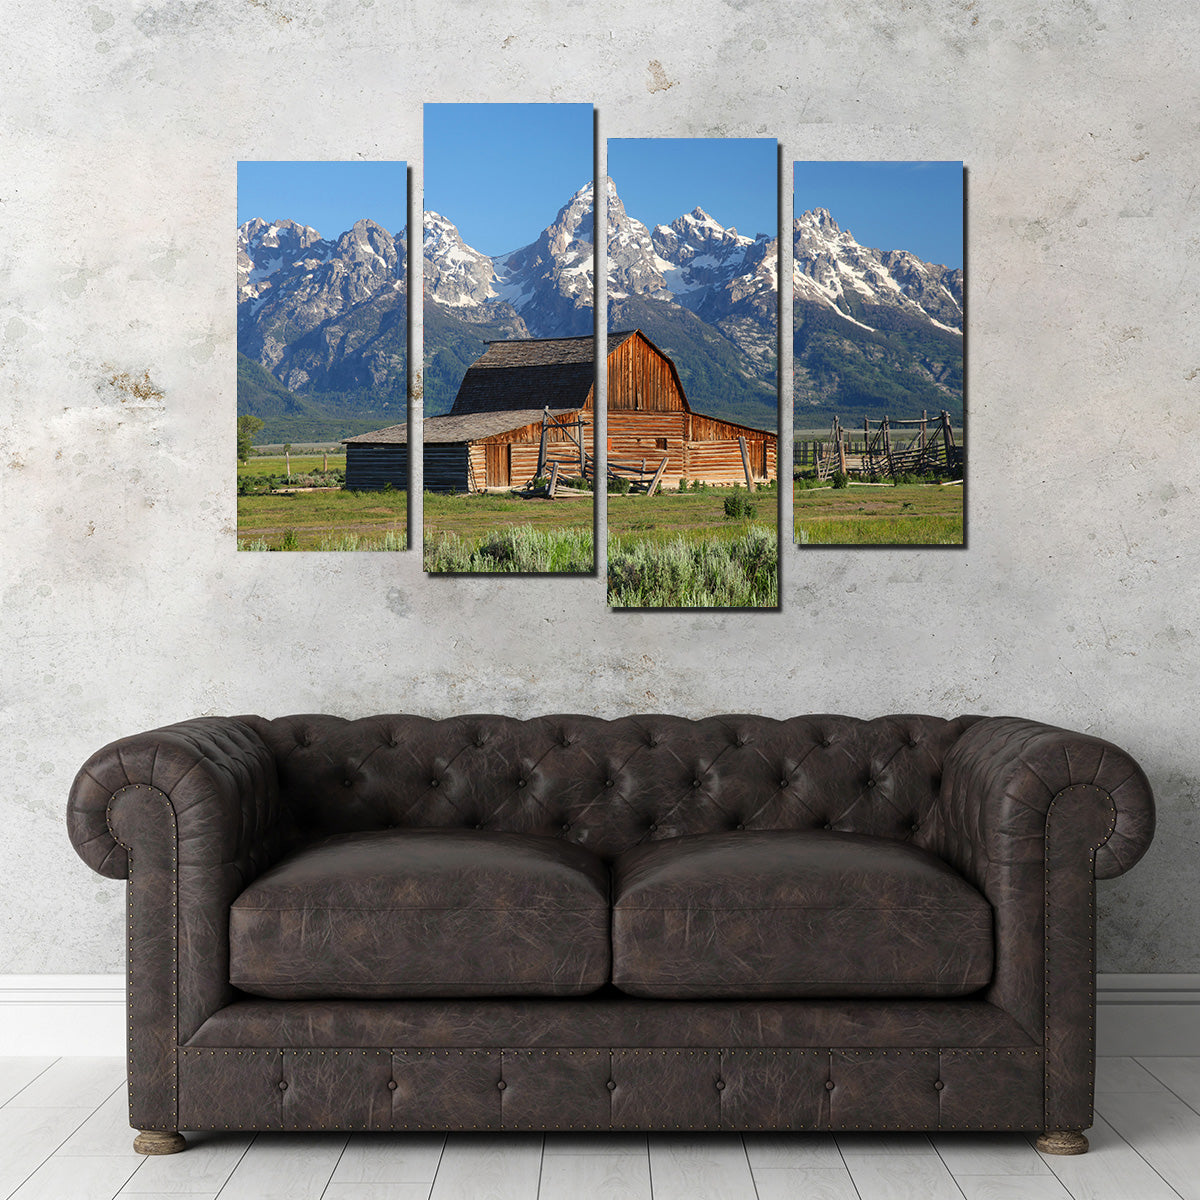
{"x": 125, "y": 605}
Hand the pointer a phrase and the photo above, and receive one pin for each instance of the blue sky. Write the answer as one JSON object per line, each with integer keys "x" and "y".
{"x": 734, "y": 180}
{"x": 501, "y": 172}
{"x": 329, "y": 196}
{"x": 914, "y": 206}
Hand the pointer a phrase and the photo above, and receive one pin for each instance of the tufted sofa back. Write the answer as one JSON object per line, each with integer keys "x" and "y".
{"x": 609, "y": 785}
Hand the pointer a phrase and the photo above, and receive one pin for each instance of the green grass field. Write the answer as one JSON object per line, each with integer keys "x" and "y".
{"x": 907, "y": 515}
{"x": 495, "y": 532}
{"x": 695, "y": 516}
{"x": 679, "y": 550}
{"x": 517, "y": 549}
{"x": 258, "y": 465}
{"x": 327, "y": 519}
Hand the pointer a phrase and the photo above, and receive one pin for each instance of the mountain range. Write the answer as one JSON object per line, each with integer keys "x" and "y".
{"x": 704, "y": 294}
{"x": 322, "y": 328}
{"x": 321, "y": 322}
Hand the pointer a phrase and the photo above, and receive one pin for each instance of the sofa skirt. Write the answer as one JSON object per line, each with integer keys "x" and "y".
{"x": 911, "y": 1065}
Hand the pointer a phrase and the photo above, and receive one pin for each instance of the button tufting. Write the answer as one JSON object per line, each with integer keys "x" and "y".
{"x": 784, "y": 782}
{"x": 939, "y": 1085}
{"x": 829, "y": 1085}
{"x": 652, "y": 828}
{"x": 434, "y": 782}
{"x": 564, "y": 740}
{"x": 392, "y": 1085}
{"x": 696, "y": 783}
{"x": 912, "y": 741}
{"x": 522, "y": 782}
{"x": 480, "y": 740}
{"x": 827, "y": 825}
{"x": 565, "y": 826}
{"x": 870, "y": 783}
{"x": 609, "y": 783}
{"x": 347, "y": 783}
{"x": 827, "y": 741}
{"x": 479, "y": 825}
{"x": 915, "y": 826}
{"x": 501, "y": 1085}
{"x": 720, "y": 1085}
{"x": 739, "y": 825}
{"x": 283, "y": 1085}
{"x": 611, "y": 1085}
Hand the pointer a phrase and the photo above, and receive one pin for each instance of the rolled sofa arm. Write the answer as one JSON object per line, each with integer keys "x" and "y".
{"x": 1002, "y": 776}
{"x": 189, "y": 814}
{"x": 1032, "y": 816}
{"x": 220, "y": 779}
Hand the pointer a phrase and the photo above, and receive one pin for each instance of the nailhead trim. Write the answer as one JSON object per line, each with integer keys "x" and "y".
{"x": 129, "y": 981}
{"x": 1046, "y": 1007}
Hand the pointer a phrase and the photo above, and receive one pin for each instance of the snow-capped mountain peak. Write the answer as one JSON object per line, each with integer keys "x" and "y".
{"x": 455, "y": 274}
{"x": 830, "y": 267}
{"x": 265, "y": 248}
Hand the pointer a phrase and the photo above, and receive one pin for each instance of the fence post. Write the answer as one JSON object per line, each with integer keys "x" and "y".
{"x": 746, "y": 463}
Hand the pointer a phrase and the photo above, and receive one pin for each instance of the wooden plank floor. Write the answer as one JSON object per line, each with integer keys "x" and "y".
{"x": 63, "y": 1136}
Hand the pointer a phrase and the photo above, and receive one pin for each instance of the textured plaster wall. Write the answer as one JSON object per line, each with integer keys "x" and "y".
{"x": 126, "y": 606}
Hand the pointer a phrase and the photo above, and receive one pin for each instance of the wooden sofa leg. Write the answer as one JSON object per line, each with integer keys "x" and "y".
{"x": 1062, "y": 1141}
{"x": 159, "y": 1141}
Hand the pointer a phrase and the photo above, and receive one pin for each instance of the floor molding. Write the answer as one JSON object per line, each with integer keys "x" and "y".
{"x": 1148, "y": 1014}
{"x": 62, "y": 1014}
{"x": 85, "y": 1014}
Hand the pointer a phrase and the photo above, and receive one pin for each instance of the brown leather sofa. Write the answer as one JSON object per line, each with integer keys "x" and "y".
{"x": 569, "y": 923}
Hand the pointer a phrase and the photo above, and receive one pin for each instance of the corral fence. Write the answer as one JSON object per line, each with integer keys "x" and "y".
{"x": 884, "y": 450}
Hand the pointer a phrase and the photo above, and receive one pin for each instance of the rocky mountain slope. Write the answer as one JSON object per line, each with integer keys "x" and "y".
{"x": 874, "y": 331}
{"x": 327, "y": 319}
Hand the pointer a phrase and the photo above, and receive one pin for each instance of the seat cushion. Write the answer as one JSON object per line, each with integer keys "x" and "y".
{"x": 789, "y": 914}
{"x": 430, "y": 912}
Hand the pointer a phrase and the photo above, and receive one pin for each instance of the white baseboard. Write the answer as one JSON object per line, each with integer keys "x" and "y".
{"x": 85, "y": 1014}
{"x": 1148, "y": 1014}
{"x": 62, "y": 1014}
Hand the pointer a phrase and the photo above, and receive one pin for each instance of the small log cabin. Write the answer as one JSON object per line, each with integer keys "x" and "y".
{"x": 492, "y": 437}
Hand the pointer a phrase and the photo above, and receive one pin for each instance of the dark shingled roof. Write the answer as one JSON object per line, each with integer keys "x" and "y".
{"x": 531, "y": 373}
{"x": 466, "y": 427}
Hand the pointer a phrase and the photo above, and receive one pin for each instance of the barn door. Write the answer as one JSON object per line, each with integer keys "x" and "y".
{"x": 499, "y": 464}
{"x": 762, "y": 460}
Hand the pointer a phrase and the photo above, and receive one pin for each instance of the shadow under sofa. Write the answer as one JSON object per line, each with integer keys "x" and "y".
{"x": 648, "y": 923}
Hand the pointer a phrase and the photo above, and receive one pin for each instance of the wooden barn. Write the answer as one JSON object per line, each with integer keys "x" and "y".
{"x": 525, "y": 403}
{"x": 649, "y": 419}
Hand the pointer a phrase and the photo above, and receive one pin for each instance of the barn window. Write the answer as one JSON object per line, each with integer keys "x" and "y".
{"x": 660, "y": 443}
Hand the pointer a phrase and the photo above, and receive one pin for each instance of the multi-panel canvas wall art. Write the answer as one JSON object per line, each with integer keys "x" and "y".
{"x": 693, "y": 404}
{"x": 878, "y": 321}
{"x": 322, "y": 331}
{"x": 509, "y": 328}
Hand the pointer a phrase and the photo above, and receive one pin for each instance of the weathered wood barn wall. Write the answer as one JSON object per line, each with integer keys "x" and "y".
{"x": 372, "y": 465}
{"x": 492, "y": 436}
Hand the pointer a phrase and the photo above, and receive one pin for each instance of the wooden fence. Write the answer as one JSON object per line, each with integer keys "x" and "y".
{"x": 892, "y": 447}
